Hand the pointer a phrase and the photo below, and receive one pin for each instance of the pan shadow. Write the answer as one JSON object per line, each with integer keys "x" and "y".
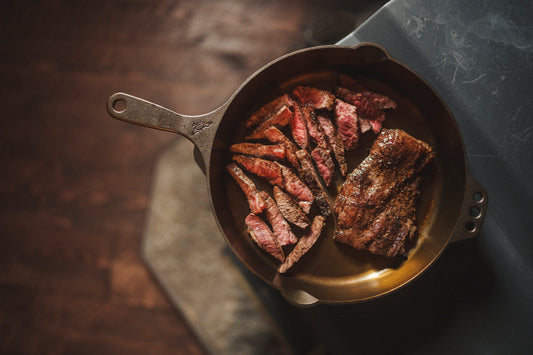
{"x": 396, "y": 323}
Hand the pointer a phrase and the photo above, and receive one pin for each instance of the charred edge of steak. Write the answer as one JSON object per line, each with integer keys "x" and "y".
{"x": 280, "y": 227}
{"x": 313, "y": 127}
{"x": 376, "y": 205}
{"x": 276, "y": 151}
{"x": 324, "y": 163}
{"x": 290, "y": 209}
{"x": 282, "y": 117}
{"x": 274, "y": 135}
{"x": 267, "y": 110}
{"x": 380, "y": 100}
{"x": 393, "y": 227}
{"x": 313, "y": 97}
{"x": 255, "y": 201}
{"x": 347, "y": 123}
{"x": 263, "y": 236}
{"x": 299, "y": 128}
{"x": 310, "y": 176}
{"x": 335, "y": 142}
{"x": 305, "y": 243}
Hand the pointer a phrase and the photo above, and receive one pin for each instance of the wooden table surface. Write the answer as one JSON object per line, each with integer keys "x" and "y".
{"x": 75, "y": 184}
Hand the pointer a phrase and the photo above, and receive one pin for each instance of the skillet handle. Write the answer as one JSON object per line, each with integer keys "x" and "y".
{"x": 300, "y": 298}
{"x": 473, "y": 211}
{"x": 200, "y": 129}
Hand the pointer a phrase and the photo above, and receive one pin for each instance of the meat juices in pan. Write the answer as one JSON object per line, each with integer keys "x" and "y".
{"x": 375, "y": 209}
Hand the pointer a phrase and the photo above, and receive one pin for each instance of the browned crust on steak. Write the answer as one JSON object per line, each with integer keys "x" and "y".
{"x": 305, "y": 243}
{"x": 370, "y": 201}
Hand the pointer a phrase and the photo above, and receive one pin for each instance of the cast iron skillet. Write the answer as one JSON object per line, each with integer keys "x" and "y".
{"x": 452, "y": 205}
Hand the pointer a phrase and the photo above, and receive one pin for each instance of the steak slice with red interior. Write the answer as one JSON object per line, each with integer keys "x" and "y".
{"x": 274, "y": 135}
{"x": 313, "y": 97}
{"x": 268, "y": 110}
{"x": 313, "y": 127}
{"x": 263, "y": 236}
{"x": 347, "y": 123}
{"x": 305, "y": 243}
{"x": 290, "y": 209}
{"x": 299, "y": 128}
{"x": 324, "y": 163}
{"x": 281, "y": 118}
{"x": 381, "y": 101}
{"x": 275, "y": 151}
{"x": 335, "y": 142}
{"x": 366, "y": 109}
{"x": 280, "y": 175}
{"x": 311, "y": 178}
{"x": 375, "y": 207}
{"x": 255, "y": 201}
{"x": 280, "y": 226}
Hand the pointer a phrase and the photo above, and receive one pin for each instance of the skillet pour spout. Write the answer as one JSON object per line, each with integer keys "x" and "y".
{"x": 451, "y": 207}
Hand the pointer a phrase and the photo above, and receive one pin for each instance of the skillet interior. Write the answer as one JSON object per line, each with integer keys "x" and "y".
{"x": 333, "y": 272}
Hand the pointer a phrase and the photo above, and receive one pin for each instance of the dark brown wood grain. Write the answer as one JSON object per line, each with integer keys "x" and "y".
{"x": 75, "y": 184}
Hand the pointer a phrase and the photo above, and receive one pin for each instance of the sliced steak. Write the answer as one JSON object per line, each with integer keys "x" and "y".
{"x": 305, "y": 243}
{"x": 280, "y": 227}
{"x": 313, "y": 97}
{"x": 324, "y": 163}
{"x": 311, "y": 178}
{"x": 375, "y": 207}
{"x": 263, "y": 236}
{"x": 267, "y": 169}
{"x": 290, "y": 209}
{"x": 281, "y": 118}
{"x": 280, "y": 175}
{"x": 255, "y": 201}
{"x": 275, "y": 151}
{"x": 381, "y": 101}
{"x": 299, "y": 128}
{"x": 274, "y": 135}
{"x": 347, "y": 123}
{"x": 335, "y": 142}
{"x": 313, "y": 127}
{"x": 268, "y": 110}
{"x": 366, "y": 109}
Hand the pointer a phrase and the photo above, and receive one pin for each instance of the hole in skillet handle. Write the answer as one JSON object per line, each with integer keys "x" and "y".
{"x": 119, "y": 105}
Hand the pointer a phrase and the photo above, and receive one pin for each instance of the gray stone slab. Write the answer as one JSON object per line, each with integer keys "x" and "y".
{"x": 187, "y": 253}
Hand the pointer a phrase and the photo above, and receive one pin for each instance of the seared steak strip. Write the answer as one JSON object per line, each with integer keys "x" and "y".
{"x": 276, "y": 151}
{"x": 280, "y": 227}
{"x": 313, "y": 97}
{"x": 366, "y": 109}
{"x": 311, "y": 178}
{"x": 280, "y": 175}
{"x": 347, "y": 123}
{"x": 282, "y": 117}
{"x": 268, "y": 110}
{"x": 374, "y": 205}
{"x": 255, "y": 201}
{"x": 381, "y": 101}
{"x": 335, "y": 142}
{"x": 392, "y": 229}
{"x": 324, "y": 163}
{"x": 289, "y": 209}
{"x": 304, "y": 244}
{"x": 313, "y": 127}
{"x": 274, "y": 135}
{"x": 263, "y": 236}
{"x": 299, "y": 128}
